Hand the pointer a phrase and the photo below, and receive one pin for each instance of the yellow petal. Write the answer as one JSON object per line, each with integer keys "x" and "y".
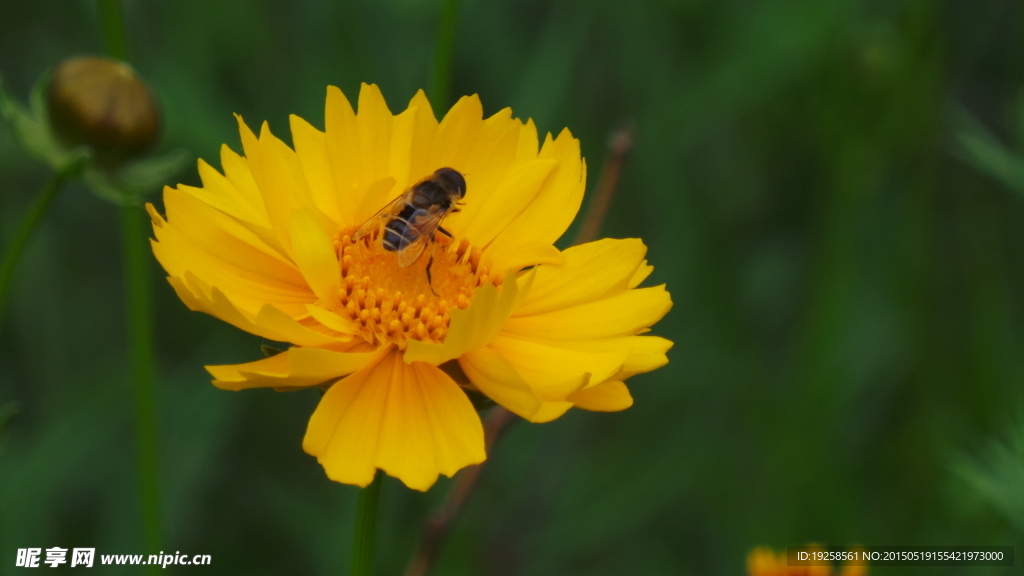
{"x": 412, "y": 137}
{"x": 294, "y": 368}
{"x": 410, "y": 420}
{"x": 311, "y": 149}
{"x": 248, "y": 291}
{"x": 221, "y": 252}
{"x": 588, "y": 272}
{"x": 270, "y": 322}
{"x": 332, "y": 320}
{"x": 490, "y": 214}
{"x": 316, "y": 257}
{"x": 200, "y": 221}
{"x": 471, "y": 328}
{"x": 253, "y": 160}
{"x": 528, "y": 143}
{"x": 624, "y": 314}
{"x": 641, "y": 274}
{"x": 494, "y": 377}
{"x": 195, "y": 295}
{"x": 219, "y": 192}
{"x": 343, "y": 151}
{"x": 610, "y": 396}
{"x": 284, "y": 188}
{"x": 488, "y": 168}
{"x": 458, "y": 134}
{"x": 373, "y": 123}
{"x": 376, "y": 196}
{"x": 279, "y": 204}
{"x": 237, "y": 172}
{"x": 551, "y": 411}
{"x": 644, "y": 353}
{"x": 489, "y": 164}
{"x": 514, "y": 258}
{"x": 556, "y": 372}
{"x": 556, "y": 205}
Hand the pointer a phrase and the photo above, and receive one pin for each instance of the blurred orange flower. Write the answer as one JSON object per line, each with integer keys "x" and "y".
{"x": 763, "y": 561}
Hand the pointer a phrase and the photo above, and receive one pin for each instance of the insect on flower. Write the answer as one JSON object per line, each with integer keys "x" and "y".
{"x": 292, "y": 245}
{"x": 408, "y": 224}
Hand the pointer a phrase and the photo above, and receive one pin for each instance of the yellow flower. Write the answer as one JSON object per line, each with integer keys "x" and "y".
{"x": 763, "y": 561}
{"x": 267, "y": 246}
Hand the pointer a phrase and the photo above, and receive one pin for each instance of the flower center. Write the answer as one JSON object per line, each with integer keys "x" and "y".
{"x": 393, "y": 304}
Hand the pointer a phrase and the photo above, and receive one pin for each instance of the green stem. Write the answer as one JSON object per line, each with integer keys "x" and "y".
{"x": 365, "y": 528}
{"x": 140, "y": 348}
{"x": 113, "y": 29}
{"x": 28, "y": 225}
{"x": 440, "y": 78}
{"x": 135, "y": 244}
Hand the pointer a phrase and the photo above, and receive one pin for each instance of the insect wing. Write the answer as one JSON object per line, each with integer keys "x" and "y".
{"x": 424, "y": 224}
{"x": 382, "y": 217}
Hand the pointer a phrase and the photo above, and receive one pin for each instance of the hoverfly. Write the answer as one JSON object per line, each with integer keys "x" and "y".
{"x": 408, "y": 223}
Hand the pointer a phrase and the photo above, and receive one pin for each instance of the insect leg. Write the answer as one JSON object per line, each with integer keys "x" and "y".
{"x": 430, "y": 281}
{"x": 445, "y": 232}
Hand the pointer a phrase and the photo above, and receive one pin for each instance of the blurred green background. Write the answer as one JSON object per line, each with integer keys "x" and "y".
{"x": 833, "y": 191}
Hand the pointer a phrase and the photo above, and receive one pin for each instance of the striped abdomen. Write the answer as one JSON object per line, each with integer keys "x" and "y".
{"x": 400, "y": 232}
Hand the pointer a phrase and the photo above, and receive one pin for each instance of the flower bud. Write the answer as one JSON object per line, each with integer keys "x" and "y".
{"x": 102, "y": 103}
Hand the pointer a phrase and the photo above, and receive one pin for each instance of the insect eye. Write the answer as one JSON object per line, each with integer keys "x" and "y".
{"x": 460, "y": 183}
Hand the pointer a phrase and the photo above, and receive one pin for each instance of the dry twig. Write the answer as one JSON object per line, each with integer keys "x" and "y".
{"x": 440, "y": 523}
{"x": 619, "y": 145}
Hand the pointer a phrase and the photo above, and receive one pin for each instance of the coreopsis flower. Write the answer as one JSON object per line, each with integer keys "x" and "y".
{"x": 268, "y": 246}
{"x": 763, "y": 561}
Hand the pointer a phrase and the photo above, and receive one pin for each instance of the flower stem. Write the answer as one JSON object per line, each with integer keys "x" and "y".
{"x": 140, "y": 347}
{"x": 134, "y": 241}
{"x": 365, "y": 528}
{"x": 113, "y": 29}
{"x": 28, "y": 225}
{"x": 440, "y": 78}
